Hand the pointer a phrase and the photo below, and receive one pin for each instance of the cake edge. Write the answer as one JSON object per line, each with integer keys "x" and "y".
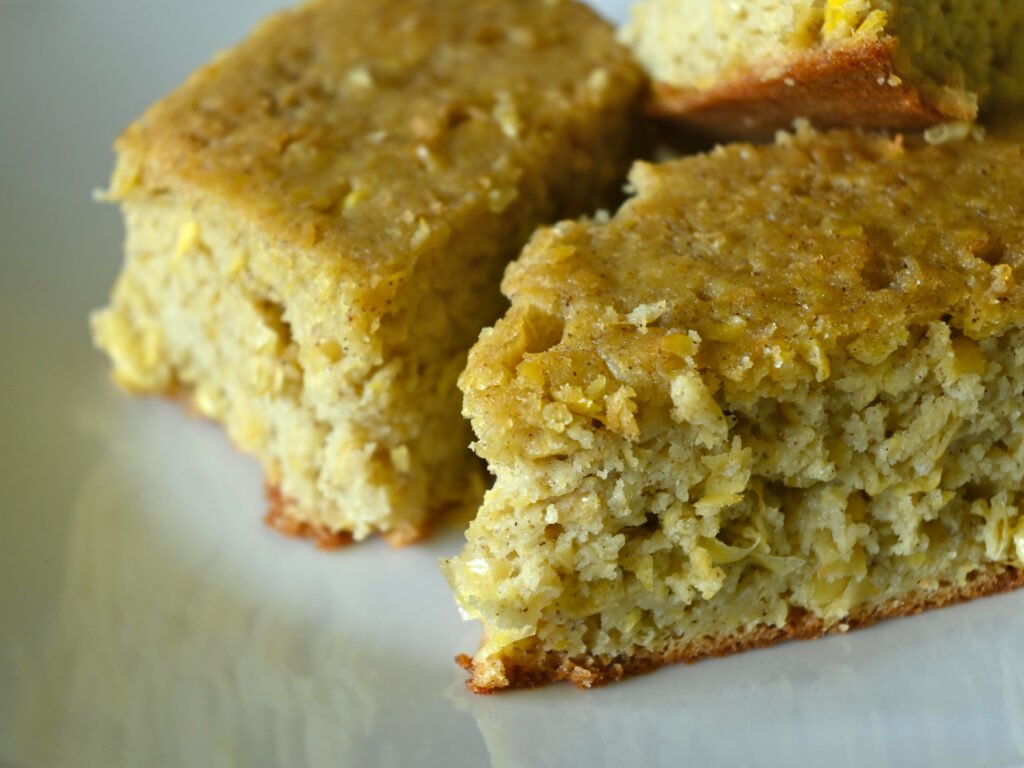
{"x": 276, "y": 517}
{"x": 849, "y": 86}
{"x": 801, "y": 625}
{"x": 280, "y": 520}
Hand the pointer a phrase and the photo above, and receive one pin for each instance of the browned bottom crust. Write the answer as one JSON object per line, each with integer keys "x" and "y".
{"x": 590, "y": 671}
{"x": 278, "y": 516}
{"x": 851, "y": 86}
{"x": 278, "y": 519}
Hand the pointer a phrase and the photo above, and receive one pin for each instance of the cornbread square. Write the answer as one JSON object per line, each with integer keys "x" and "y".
{"x": 318, "y": 220}
{"x": 745, "y": 69}
{"x": 779, "y": 394}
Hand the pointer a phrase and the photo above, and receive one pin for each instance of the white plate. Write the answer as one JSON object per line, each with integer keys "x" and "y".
{"x": 147, "y": 618}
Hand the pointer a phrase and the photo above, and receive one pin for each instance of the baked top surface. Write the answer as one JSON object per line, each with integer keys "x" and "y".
{"x": 777, "y": 256}
{"x": 372, "y": 128}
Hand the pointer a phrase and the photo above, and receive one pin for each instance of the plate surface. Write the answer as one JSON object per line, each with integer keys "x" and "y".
{"x": 147, "y": 618}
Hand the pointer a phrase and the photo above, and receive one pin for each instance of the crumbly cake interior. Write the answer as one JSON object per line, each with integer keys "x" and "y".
{"x": 779, "y": 379}
{"x": 317, "y": 223}
{"x": 965, "y": 46}
{"x": 354, "y": 415}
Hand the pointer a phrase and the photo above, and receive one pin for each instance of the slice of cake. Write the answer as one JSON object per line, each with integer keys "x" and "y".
{"x": 780, "y": 393}
{"x": 744, "y": 69}
{"x": 317, "y": 224}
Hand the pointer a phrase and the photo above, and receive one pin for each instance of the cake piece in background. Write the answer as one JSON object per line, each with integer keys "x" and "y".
{"x": 778, "y": 394}
{"x": 318, "y": 220}
{"x": 746, "y": 69}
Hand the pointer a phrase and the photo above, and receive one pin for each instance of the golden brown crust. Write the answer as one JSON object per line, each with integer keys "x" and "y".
{"x": 277, "y": 516}
{"x": 279, "y": 520}
{"x": 335, "y": 119}
{"x": 820, "y": 239}
{"x": 590, "y": 672}
{"x": 853, "y": 85}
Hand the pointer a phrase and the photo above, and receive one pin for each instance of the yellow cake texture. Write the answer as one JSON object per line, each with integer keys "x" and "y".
{"x": 317, "y": 222}
{"x": 749, "y": 67}
{"x": 780, "y": 393}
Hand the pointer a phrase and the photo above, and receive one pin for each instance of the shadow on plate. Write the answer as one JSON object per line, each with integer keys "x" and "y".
{"x": 184, "y": 640}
